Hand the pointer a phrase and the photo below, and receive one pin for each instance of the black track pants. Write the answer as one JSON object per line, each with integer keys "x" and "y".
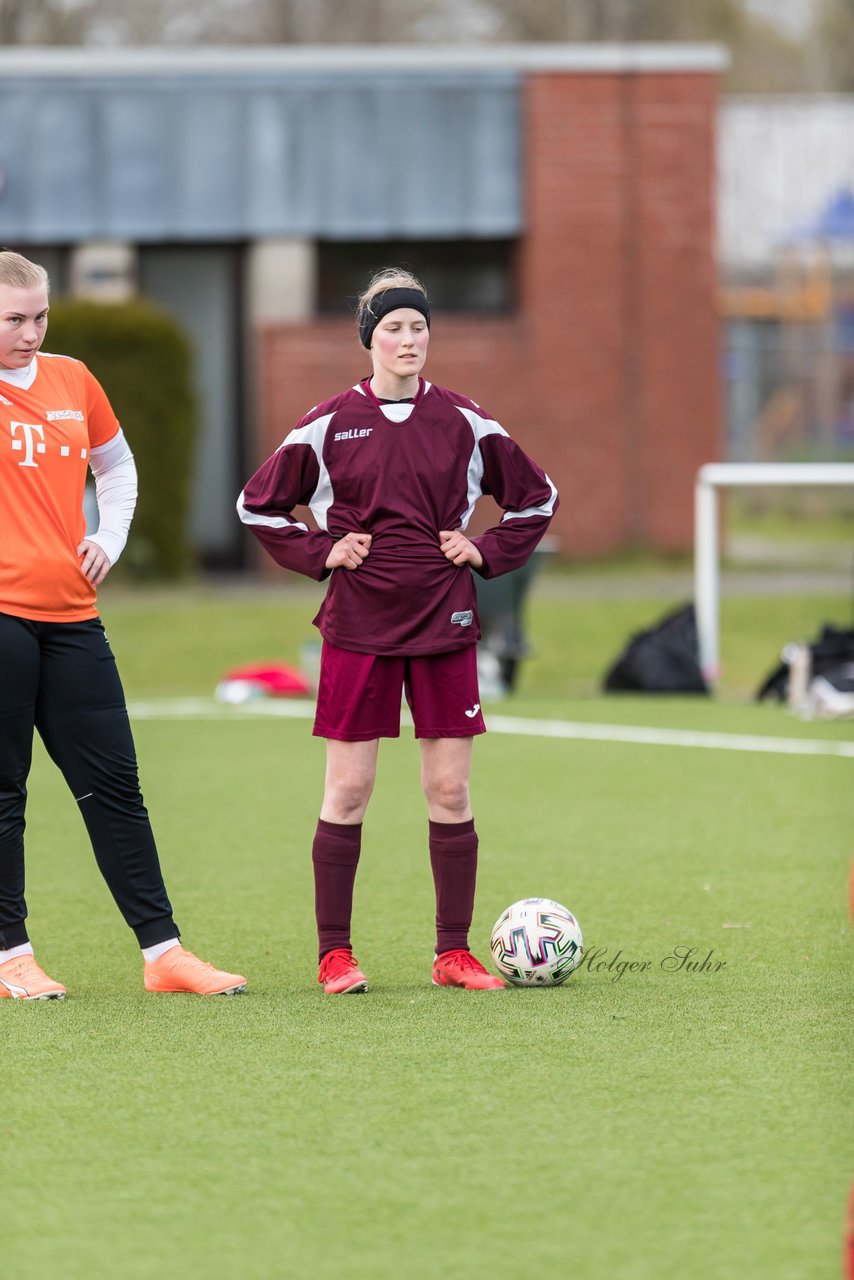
{"x": 61, "y": 679}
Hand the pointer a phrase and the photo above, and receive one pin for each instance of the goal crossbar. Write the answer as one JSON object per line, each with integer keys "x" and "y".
{"x": 710, "y": 479}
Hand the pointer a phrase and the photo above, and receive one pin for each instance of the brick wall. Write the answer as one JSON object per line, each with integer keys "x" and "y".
{"x": 608, "y": 373}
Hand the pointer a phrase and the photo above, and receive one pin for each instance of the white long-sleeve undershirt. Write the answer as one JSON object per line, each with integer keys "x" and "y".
{"x": 114, "y": 469}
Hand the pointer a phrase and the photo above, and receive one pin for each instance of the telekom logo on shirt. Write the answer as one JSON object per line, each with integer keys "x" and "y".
{"x": 29, "y": 429}
{"x": 30, "y": 446}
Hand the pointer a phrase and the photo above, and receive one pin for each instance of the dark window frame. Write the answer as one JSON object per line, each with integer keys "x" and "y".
{"x": 460, "y": 275}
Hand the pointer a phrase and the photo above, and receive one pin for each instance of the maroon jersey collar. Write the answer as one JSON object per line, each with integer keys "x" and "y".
{"x": 365, "y": 384}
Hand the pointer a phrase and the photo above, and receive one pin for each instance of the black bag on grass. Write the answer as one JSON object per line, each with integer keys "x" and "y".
{"x": 663, "y": 659}
{"x": 831, "y": 656}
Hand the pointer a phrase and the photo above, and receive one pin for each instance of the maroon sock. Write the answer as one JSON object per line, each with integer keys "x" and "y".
{"x": 335, "y": 855}
{"x": 453, "y": 857}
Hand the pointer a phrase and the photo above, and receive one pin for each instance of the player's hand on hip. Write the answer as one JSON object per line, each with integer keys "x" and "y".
{"x": 95, "y": 562}
{"x": 349, "y": 552}
{"x": 457, "y": 548}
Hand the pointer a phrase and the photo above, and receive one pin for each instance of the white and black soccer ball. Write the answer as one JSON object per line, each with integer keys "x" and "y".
{"x": 536, "y": 943}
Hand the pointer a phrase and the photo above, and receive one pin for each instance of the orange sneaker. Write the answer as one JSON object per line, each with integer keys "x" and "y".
{"x": 461, "y": 969}
{"x": 340, "y": 974}
{"x": 23, "y": 979}
{"x": 179, "y": 970}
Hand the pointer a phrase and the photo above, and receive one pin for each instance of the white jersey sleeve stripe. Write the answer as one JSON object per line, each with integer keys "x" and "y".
{"x": 321, "y": 500}
{"x": 267, "y": 522}
{"x": 312, "y": 434}
{"x": 547, "y": 508}
{"x": 474, "y": 476}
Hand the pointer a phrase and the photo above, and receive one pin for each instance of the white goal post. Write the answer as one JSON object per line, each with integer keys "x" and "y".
{"x": 710, "y": 478}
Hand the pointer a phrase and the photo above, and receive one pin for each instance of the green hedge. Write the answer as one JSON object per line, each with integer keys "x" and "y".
{"x": 143, "y": 360}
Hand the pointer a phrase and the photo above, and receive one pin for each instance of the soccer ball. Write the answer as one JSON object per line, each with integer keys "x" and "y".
{"x": 536, "y": 943}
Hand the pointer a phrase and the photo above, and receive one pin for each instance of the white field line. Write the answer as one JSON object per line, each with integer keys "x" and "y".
{"x": 571, "y": 730}
{"x": 669, "y": 737}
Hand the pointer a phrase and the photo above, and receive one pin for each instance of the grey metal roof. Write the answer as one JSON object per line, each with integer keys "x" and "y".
{"x": 339, "y": 156}
{"x": 227, "y": 144}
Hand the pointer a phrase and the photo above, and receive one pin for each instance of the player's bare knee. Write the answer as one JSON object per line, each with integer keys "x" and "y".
{"x": 346, "y": 801}
{"x": 447, "y": 794}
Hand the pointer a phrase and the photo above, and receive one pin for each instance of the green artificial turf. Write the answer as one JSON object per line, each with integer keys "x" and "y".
{"x": 181, "y": 640}
{"x": 632, "y": 1125}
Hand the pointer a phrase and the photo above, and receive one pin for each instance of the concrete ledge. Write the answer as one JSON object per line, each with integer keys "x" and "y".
{"x": 21, "y": 61}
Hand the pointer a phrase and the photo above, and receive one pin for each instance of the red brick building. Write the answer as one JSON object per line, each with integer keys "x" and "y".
{"x": 557, "y": 200}
{"x": 608, "y": 370}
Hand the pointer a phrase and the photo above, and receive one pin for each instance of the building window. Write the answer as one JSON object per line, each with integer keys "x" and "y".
{"x": 459, "y": 275}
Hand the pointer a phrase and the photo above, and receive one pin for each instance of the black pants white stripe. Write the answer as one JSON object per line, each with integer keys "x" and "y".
{"x": 61, "y": 679}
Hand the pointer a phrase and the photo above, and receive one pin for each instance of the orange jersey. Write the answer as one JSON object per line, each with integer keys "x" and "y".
{"x": 47, "y": 430}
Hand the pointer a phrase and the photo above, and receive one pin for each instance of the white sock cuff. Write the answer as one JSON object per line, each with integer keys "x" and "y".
{"x": 150, "y": 954}
{"x": 25, "y": 949}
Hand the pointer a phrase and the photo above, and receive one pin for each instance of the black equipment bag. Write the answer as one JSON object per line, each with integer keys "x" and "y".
{"x": 663, "y": 659}
{"x": 831, "y": 656}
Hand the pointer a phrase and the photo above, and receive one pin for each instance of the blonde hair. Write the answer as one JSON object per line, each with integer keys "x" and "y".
{"x": 388, "y": 278}
{"x": 18, "y": 272}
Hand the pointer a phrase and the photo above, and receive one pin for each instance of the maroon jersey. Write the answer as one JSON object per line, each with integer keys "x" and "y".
{"x": 400, "y": 472}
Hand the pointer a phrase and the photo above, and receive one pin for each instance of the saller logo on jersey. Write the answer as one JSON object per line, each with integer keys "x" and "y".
{"x": 463, "y": 617}
{"x": 355, "y": 433}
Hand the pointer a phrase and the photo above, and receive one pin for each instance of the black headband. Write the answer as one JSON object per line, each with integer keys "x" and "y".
{"x": 391, "y": 300}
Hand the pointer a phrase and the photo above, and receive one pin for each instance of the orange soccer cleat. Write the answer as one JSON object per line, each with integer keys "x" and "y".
{"x": 340, "y": 974}
{"x": 23, "y": 979}
{"x": 461, "y": 969}
{"x": 178, "y": 970}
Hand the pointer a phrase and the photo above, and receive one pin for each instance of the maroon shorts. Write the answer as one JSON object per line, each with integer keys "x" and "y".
{"x": 359, "y": 695}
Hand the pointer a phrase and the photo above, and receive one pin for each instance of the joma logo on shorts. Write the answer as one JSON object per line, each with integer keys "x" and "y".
{"x": 462, "y": 618}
